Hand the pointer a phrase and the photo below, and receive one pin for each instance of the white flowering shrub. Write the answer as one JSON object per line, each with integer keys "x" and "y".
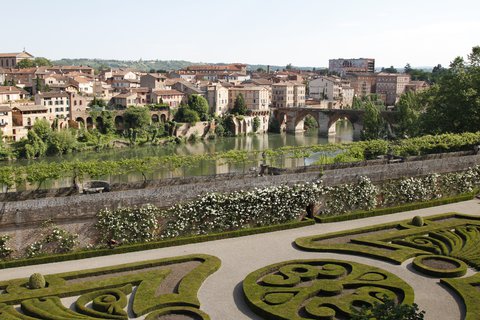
{"x": 128, "y": 225}
{"x": 54, "y": 240}
{"x": 216, "y": 212}
{"x": 461, "y": 182}
{"x": 350, "y": 197}
{"x": 5, "y": 250}
{"x": 412, "y": 190}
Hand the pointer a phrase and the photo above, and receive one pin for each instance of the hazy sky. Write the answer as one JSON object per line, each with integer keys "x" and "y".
{"x": 278, "y": 32}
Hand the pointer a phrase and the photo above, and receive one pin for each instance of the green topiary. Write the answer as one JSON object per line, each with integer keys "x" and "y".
{"x": 418, "y": 221}
{"x": 36, "y": 281}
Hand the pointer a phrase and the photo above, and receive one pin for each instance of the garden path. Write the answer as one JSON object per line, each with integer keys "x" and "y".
{"x": 221, "y": 294}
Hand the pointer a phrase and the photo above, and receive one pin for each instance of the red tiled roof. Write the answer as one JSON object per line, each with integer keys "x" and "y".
{"x": 53, "y": 95}
{"x": 11, "y": 89}
{"x": 30, "y": 108}
{"x": 167, "y": 92}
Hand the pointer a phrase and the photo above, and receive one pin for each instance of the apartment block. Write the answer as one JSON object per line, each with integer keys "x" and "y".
{"x": 288, "y": 95}
{"x": 344, "y": 66}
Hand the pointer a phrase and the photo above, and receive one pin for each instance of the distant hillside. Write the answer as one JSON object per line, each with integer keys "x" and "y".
{"x": 137, "y": 65}
{"x": 147, "y": 65}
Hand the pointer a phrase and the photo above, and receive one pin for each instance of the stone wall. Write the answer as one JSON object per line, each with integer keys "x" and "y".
{"x": 23, "y": 218}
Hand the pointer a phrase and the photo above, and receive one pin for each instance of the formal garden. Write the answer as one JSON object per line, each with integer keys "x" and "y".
{"x": 443, "y": 247}
{"x": 163, "y": 288}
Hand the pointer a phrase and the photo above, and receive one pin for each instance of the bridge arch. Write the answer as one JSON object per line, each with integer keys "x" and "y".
{"x": 89, "y": 121}
{"x": 326, "y": 119}
{"x": 119, "y": 123}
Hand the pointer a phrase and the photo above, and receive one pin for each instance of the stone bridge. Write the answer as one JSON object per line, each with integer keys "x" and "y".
{"x": 292, "y": 119}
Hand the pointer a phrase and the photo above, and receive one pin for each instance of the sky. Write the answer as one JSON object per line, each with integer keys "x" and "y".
{"x": 275, "y": 32}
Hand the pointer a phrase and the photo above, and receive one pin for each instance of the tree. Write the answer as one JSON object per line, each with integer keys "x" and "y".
{"x": 388, "y": 310}
{"x": 453, "y": 104}
{"x": 199, "y": 104}
{"x": 409, "y": 107}
{"x": 37, "y": 62}
{"x": 373, "y": 124}
{"x": 289, "y": 67}
{"x": 187, "y": 115}
{"x": 239, "y": 106}
{"x": 391, "y": 69}
{"x": 407, "y": 68}
{"x": 256, "y": 124}
{"x": 42, "y": 128}
{"x": 61, "y": 142}
{"x": 136, "y": 117}
{"x": 98, "y": 102}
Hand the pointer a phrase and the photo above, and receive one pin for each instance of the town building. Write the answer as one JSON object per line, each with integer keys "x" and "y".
{"x": 10, "y": 94}
{"x": 417, "y": 86}
{"x": 332, "y": 89}
{"x": 217, "y": 97}
{"x": 24, "y": 117}
{"x": 186, "y": 87}
{"x": 172, "y": 98}
{"x": 84, "y": 84}
{"x": 5, "y": 123}
{"x": 344, "y": 66}
{"x": 363, "y": 84}
{"x": 215, "y": 69}
{"x": 154, "y": 81}
{"x": 57, "y": 103}
{"x": 390, "y": 86}
{"x": 10, "y": 60}
{"x": 83, "y": 70}
{"x": 125, "y": 99}
{"x": 256, "y": 97}
{"x": 288, "y": 95}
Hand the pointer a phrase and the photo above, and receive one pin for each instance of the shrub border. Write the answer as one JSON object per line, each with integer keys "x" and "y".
{"x": 188, "y": 287}
{"x": 396, "y": 209}
{"x": 464, "y": 288}
{"x": 154, "y": 244}
{"x": 356, "y": 247}
{"x": 460, "y": 271}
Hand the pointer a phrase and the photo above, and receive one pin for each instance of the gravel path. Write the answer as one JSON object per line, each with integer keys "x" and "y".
{"x": 221, "y": 295}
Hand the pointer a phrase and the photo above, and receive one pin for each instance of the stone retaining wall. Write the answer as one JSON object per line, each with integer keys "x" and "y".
{"x": 21, "y": 217}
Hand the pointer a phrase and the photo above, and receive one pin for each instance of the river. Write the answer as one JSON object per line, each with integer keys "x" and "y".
{"x": 344, "y": 133}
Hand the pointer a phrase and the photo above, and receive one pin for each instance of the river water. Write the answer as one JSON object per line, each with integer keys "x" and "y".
{"x": 344, "y": 133}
